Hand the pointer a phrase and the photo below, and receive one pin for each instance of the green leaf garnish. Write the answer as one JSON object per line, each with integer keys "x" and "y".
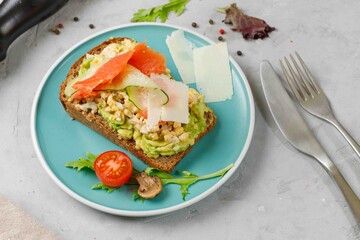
{"x": 82, "y": 163}
{"x": 136, "y": 197}
{"x": 187, "y": 178}
{"x": 102, "y": 186}
{"x": 162, "y": 11}
{"x": 157, "y": 172}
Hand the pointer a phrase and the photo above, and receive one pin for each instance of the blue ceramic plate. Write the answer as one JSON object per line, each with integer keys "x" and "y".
{"x": 58, "y": 139}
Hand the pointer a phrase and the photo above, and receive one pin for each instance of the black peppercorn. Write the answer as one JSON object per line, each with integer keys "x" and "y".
{"x": 194, "y": 24}
{"x": 55, "y": 30}
{"x": 211, "y": 21}
{"x": 220, "y": 38}
{"x": 239, "y": 53}
{"x": 91, "y": 26}
{"x": 76, "y": 19}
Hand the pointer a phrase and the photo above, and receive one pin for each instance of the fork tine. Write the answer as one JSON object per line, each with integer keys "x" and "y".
{"x": 308, "y": 87}
{"x": 291, "y": 83}
{"x": 308, "y": 73}
{"x": 300, "y": 87}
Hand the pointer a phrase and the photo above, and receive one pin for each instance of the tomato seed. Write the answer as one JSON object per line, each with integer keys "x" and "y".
{"x": 211, "y": 21}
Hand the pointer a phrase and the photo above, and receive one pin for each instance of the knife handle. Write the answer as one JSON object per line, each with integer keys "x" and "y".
{"x": 17, "y": 16}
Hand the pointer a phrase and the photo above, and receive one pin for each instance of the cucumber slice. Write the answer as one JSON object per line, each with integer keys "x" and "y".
{"x": 131, "y": 76}
{"x": 69, "y": 91}
{"x": 141, "y": 96}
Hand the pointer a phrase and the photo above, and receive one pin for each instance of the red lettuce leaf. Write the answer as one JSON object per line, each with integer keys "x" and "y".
{"x": 250, "y": 27}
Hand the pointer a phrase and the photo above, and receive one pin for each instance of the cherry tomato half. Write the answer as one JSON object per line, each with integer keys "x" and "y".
{"x": 113, "y": 168}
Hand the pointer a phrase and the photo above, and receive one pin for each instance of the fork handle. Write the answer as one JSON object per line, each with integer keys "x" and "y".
{"x": 346, "y": 135}
{"x": 350, "y": 196}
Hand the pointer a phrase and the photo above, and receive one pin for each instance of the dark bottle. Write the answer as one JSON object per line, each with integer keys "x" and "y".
{"x": 17, "y": 16}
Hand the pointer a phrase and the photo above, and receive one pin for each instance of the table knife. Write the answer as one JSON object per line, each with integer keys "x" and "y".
{"x": 296, "y": 131}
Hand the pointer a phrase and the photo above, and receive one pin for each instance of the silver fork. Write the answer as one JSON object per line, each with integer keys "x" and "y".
{"x": 312, "y": 98}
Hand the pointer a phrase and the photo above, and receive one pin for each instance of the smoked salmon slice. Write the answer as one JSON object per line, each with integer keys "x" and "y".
{"x": 82, "y": 94}
{"x": 141, "y": 57}
{"x": 105, "y": 74}
{"x": 147, "y": 60}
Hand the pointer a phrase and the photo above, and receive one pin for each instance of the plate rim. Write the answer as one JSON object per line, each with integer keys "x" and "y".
{"x": 141, "y": 213}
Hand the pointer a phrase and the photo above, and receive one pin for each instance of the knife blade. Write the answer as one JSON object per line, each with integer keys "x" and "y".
{"x": 296, "y": 131}
{"x": 285, "y": 113}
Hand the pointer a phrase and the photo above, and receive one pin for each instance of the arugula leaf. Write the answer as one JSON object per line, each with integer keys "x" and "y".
{"x": 162, "y": 11}
{"x": 83, "y": 162}
{"x": 159, "y": 173}
{"x": 187, "y": 174}
{"x": 102, "y": 186}
{"x": 136, "y": 197}
{"x": 187, "y": 178}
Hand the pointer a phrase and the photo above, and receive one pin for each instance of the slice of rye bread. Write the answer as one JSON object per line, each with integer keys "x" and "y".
{"x": 98, "y": 124}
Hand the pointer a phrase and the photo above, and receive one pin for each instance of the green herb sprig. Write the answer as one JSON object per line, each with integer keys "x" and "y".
{"x": 82, "y": 162}
{"x": 162, "y": 11}
{"x": 185, "y": 180}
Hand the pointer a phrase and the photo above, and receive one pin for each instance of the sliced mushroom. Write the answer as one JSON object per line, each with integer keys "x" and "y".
{"x": 150, "y": 186}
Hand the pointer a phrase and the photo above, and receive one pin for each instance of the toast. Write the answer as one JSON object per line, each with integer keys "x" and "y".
{"x": 98, "y": 123}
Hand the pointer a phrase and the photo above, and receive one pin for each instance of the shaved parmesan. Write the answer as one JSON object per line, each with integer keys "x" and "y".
{"x": 154, "y": 108}
{"x": 177, "y": 109}
{"x": 181, "y": 51}
{"x": 153, "y": 114}
{"x": 212, "y": 72}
